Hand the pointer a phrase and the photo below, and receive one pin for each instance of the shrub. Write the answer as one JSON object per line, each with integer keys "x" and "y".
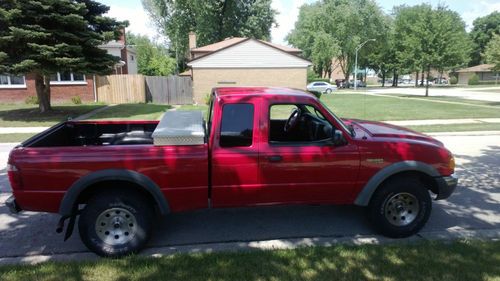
{"x": 453, "y": 80}
{"x": 319, "y": 80}
{"x": 76, "y": 100}
{"x": 473, "y": 80}
{"x": 206, "y": 99}
{"x": 31, "y": 100}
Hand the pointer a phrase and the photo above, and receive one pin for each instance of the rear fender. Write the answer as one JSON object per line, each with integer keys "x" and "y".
{"x": 69, "y": 201}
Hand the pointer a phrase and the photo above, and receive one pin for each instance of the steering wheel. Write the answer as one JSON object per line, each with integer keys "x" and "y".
{"x": 293, "y": 120}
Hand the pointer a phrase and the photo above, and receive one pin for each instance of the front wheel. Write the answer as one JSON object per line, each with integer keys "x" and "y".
{"x": 400, "y": 208}
{"x": 328, "y": 91}
{"x": 114, "y": 224}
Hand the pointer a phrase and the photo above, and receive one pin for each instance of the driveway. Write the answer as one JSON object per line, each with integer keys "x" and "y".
{"x": 474, "y": 206}
{"x": 491, "y": 94}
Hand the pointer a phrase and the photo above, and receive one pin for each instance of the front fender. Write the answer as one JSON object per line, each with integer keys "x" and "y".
{"x": 363, "y": 198}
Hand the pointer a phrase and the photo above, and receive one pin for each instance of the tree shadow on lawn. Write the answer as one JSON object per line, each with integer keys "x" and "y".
{"x": 25, "y": 116}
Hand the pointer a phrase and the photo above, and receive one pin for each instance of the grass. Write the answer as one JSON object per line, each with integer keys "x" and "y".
{"x": 449, "y": 99}
{"x": 402, "y": 108}
{"x": 135, "y": 111}
{"x": 16, "y": 137}
{"x": 202, "y": 108}
{"x": 421, "y": 261}
{"x": 22, "y": 115}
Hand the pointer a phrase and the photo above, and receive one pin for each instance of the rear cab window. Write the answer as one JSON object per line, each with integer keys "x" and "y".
{"x": 237, "y": 125}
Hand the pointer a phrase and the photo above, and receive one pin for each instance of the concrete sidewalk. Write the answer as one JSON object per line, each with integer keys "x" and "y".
{"x": 443, "y": 121}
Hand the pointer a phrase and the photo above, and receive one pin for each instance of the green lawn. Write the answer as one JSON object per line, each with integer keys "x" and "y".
{"x": 416, "y": 261}
{"x": 22, "y": 115}
{"x": 402, "y": 108}
{"x": 17, "y": 137}
{"x": 135, "y": 111}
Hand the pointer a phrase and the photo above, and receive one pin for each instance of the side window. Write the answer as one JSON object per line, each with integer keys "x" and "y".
{"x": 236, "y": 125}
{"x": 309, "y": 126}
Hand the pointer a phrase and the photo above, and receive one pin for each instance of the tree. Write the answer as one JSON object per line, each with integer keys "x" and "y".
{"x": 46, "y": 36}
{"x": 492, "y": 52}
{"x": 348, "y": 23}
{"x": 212, "y": 21}
{"x": 482, "y": 31}
{"x": 152, "y": 58}
{"x": 430, "y": 39}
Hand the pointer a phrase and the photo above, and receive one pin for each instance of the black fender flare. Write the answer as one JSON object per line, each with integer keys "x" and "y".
{"x": 70, "y": 198}
{"x": 365, "y": 195}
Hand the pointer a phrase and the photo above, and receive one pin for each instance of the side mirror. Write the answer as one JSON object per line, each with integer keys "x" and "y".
{"x": 338, "y": 138}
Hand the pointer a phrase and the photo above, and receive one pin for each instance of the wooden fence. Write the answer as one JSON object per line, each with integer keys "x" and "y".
{"x": 169, "y": 90}
{"x": 133, "y": 88}
{"x": 121, "y": 88}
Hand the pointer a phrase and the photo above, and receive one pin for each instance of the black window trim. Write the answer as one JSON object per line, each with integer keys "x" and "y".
{"x": 220, "y": 126}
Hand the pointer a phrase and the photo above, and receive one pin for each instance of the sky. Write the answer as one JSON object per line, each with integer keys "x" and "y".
{"x": 133, "y": 11}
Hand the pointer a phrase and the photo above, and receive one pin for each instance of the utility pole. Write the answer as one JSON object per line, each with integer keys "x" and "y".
{"x": 356, "y": 62}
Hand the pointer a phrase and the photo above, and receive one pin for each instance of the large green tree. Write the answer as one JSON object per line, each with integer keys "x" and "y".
{"x": 430, "y": 38}
{"x": 46, "y": 36}
{"x": 348, "y": 23}
{"x": 492, "y": 53}
{"x": 152, "y": 59}
{"x": 211, "y": 20}
{"x": 482, "y": 31}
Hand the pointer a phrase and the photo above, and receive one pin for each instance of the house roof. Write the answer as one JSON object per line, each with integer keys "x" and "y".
{"x": 240, "y": 41}
{"x": 235, "y": 40}
{"x": 477, "y": 68}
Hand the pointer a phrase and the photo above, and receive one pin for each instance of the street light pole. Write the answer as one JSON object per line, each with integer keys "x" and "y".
{"x": 356, "y": 63}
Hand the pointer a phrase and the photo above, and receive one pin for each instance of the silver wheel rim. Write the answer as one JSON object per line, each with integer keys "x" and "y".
{"x": 116, "y": 226}
{"x": 401, "y": 209}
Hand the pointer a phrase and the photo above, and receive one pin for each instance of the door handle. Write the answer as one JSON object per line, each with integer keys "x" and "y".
{"x": 275, "y": 158}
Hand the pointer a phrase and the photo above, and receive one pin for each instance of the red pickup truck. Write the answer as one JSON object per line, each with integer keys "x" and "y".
{"x": 259, "y": 146}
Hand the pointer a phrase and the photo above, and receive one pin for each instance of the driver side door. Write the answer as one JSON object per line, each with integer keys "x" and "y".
{"x": 303, "y": 171}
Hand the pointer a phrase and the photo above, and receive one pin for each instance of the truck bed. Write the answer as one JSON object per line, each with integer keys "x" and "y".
{"x": 51, "y": 162}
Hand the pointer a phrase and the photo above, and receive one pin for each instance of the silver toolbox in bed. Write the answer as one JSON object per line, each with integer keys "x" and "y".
{"x": 180, "y": 128}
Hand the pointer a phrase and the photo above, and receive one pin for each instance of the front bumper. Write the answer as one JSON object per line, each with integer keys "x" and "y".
{"x": 446, "y": 186}
{"x": 12, "y": 205}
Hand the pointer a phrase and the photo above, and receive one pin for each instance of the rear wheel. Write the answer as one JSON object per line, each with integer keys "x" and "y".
{"x": 400, "y": 208}
{"x": 115, "y": 224}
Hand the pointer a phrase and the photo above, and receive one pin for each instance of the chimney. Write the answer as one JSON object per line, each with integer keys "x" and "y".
{"x": 192, "y": 40}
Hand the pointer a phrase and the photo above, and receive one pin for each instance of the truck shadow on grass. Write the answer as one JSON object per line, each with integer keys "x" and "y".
{"x": 474, "y": 205}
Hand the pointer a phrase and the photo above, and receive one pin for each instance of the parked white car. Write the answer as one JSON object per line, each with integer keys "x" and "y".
{"x": 322, "y": 87}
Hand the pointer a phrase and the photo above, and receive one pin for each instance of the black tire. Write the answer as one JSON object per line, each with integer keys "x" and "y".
{"x": 133, "y": 212}
{"x": 328, "y": 91}
{"x": 397, "y": 225}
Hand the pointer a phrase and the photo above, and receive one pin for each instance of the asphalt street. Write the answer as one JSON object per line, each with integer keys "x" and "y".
{"x": 474, "y": 206}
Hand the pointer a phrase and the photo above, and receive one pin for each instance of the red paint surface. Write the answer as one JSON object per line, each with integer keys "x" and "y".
{"x": 241, "y": 176}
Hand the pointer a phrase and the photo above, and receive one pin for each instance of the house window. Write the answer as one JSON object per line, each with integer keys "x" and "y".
{"x": 12, "y": 81}
{"x": 67, "y": 77}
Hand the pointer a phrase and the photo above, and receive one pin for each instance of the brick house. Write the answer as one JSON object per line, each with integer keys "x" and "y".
{"x": 244, "y": 62}
{"x": 483, "y": 71}
{"x": 65, "y": 85}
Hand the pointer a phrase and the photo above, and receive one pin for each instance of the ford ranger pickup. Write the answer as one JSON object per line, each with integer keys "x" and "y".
{"x": 257, "y": 146}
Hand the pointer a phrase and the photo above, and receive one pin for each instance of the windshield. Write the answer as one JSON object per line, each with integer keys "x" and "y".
{"x": 344, "y": 126}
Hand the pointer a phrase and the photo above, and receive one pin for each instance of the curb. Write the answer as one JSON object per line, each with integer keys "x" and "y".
{"x": 275, "y": 244}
